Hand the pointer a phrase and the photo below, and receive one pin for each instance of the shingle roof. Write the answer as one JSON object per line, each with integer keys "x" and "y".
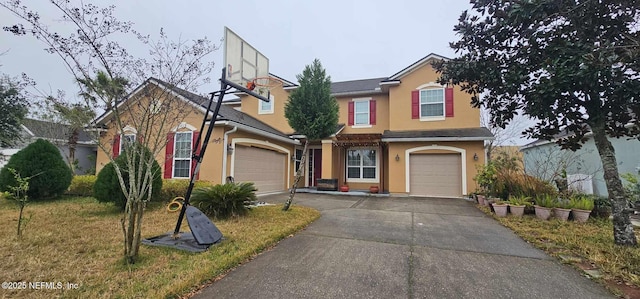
{"x": 225, "y": 113}
{"x": 441, "y": 133}
{"x": 51, "y": 130}
{"x": 356, "y": 85}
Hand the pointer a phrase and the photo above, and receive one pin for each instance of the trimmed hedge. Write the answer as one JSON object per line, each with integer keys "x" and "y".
{"x": 107, "y": 187}
{"x": 177, "y": 188}
{"x": 82, "y": 185}
{"x": 42, "y": 161}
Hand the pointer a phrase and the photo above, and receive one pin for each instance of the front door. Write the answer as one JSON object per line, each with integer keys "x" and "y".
{"x": 315, "y": 166}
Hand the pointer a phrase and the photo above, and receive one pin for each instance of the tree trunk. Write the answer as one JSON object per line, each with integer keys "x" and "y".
{"x": 73, "y": 141}
{"x": 622, "y": 228}
{"x": 292, "y": 191}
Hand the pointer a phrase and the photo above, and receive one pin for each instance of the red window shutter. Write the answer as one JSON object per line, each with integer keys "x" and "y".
{"x": 351, "y": 113}
{"x": 168, "y": 161}
{"x": 116, "y": 146}
{"x": 372, "y": 112}
{"x": 448, "y": 101}
{"x": 196, "y": 149}
{"x": 415, "y": 104}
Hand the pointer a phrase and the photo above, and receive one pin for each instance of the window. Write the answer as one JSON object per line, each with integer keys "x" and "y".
{"x": 127, "y": 141}
{"x": 432, "y": 103}
{"x": 362, "y": 165}
{"x": 266, "y": 107}
{"x": 361, "y": 112}
{"x": 297, "y": 158}
{"x": 182, "y": 155}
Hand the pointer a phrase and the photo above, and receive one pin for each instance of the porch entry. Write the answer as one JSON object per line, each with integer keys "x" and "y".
{"x": 314, "y": 166}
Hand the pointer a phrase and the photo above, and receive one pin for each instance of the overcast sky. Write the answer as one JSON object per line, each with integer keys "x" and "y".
{"x": 354, "y": 39}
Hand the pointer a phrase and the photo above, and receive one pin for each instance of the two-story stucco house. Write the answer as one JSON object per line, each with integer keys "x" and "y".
{"x": 404, "y": 133}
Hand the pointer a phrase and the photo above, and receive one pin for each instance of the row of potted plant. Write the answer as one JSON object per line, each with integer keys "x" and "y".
{"x": 545, "y": 205}
{"x": 579, "y": 205}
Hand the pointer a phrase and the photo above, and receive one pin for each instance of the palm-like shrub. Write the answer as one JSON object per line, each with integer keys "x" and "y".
{"x": 42, "y": 161}
{"x": 224, "y": 201}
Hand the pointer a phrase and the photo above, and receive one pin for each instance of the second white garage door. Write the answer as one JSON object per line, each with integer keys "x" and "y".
{"x": 435, "y": 175}
{"x": 264, "y": 167}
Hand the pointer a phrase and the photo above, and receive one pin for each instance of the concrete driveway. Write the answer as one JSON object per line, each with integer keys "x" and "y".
{"x": 376, "y": 247}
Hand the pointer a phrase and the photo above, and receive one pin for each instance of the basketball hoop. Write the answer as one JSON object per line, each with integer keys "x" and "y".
{"x": 263, "y": 85}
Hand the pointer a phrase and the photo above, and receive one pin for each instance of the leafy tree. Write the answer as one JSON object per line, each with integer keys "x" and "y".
{"x": 13, "y": 108}
{"x": 41, "y": 160}
{"x": 568, "y": 65}
{"x": 94, "y": 48}
{"x": 311, "y": 111}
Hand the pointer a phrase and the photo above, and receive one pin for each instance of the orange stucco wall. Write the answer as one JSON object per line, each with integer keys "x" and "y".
{"x": 382, "y": 114}
{"x": 400, "y": 109}
{"x": 276, "y": 119}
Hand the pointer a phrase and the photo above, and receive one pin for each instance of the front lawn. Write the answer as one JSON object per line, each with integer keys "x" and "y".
{"x": 79, "y": 241}
{"x": 587, "y": 245}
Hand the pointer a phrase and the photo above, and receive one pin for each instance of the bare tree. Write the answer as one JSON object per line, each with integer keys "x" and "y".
{"x": 106, "y": 74}
{"x": 503, "y": 136}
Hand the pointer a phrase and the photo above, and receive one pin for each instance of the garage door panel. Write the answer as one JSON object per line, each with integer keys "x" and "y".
{"x": 265, "y": 168}
{"x": 435, "y": 174}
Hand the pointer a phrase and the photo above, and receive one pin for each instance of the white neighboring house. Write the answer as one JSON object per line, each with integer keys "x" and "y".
{"x": 58, "y": 134}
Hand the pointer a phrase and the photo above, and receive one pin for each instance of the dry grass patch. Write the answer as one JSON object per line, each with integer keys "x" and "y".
{"x": 591, "y": 241}
{"x": 79, "y": 240}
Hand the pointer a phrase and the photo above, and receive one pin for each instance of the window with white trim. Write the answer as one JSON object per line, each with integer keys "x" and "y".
{"x": 182, "y": 154}
{"x": 361, "y": 112}
{"x": 362, "y": 165}
{"x": 126, "y": 141}
{"x": 266, "y": 107}
{"x": 432, "y": 103}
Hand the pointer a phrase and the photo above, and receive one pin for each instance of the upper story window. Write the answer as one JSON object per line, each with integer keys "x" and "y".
{"x": 432, "y": 103}
{"x": 127, "y": 141}
{"x": 362, "y": 112}
{"x": 266, "y": 107}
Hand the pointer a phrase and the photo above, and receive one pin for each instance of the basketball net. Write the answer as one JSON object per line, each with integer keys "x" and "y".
{"x": 263, "y": 85}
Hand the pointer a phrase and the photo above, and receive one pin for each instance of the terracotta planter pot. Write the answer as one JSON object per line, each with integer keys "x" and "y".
{"x": 543, "y": 213}
{"x": 481, "y": 199}
{"x": 580, "y": 215}
{"x": 562, "y": 214}
{"x": 374, "y": 189}
{"x": 517, "y": 210}
{"x": 344, "y": 188}
{"x": 500, "y": 209}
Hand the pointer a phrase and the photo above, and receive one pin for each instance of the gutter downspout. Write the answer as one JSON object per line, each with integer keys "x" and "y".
{"x": 224, "y": 153}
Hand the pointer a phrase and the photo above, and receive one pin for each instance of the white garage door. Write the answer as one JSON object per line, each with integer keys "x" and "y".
{"x": 263, "y": 167}
{"x": 435, "y": 175}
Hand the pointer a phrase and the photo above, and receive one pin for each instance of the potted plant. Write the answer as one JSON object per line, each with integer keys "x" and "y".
{"x": 374, "y": 189}
{"x": 562, "y": 209}
{"x": 481, "y": 199}
{"x": 582, "y": 206}
{"x": 500, "y": 208}
{"x": 518, "y": 203}
{"x": 543, "y": 206}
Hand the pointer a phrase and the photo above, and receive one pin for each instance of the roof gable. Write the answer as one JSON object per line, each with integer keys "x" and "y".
{"x": 201, "y": 102}
{"x": 416, "y": 65}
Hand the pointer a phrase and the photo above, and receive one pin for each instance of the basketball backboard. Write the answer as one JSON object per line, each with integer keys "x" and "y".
{"x": 243, "y": 62}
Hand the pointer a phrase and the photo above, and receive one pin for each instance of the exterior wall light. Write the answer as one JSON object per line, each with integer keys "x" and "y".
{"x": 475, "y": 157}
{"x": 397, "y": 157}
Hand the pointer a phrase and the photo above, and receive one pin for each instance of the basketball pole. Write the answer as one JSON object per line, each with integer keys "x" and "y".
{"x": 224, "y": 86}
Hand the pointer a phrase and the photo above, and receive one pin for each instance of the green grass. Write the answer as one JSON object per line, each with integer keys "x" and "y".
{"x": 591, "y": 241}
{"x": 79, "y": 240}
